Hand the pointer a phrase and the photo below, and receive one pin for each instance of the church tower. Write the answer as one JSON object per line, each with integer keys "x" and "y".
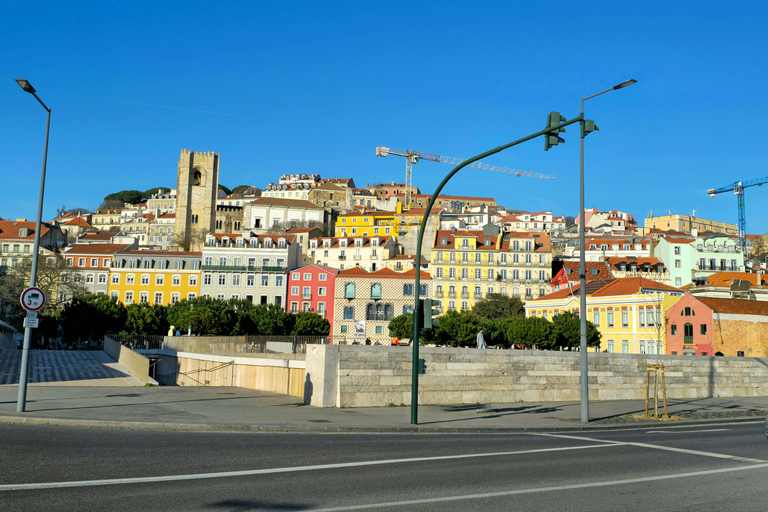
{"x": 197, "y": 186}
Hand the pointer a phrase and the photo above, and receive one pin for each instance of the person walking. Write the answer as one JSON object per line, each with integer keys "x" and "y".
{"x": 480, "y": 339}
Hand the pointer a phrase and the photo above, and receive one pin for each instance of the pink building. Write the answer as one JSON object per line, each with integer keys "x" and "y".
{"x": 689, "y": 327}
{"x": 311, "y": 289}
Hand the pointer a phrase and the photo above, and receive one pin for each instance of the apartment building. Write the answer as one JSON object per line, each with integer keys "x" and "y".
{"x": 155, "y": 277}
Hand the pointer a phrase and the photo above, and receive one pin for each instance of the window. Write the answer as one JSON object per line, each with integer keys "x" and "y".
{"x": 624, "y": 318}
{"x": 307, "y": 277}
{"x": 294, "y": 290}
{"x": 143, "y": 297}
{"x": 115, "y": 278}
{"x": 250, "y": 280}
{"x": 625, "y": 346}
{"x": 703, "y": 329}
{"x": 677, "y": 249}
{"x": 688, "y": 331}
{"x": 80, "y": 261}
{"x": 376, "y": 291}
{"x": 306, "y": 293}
{"x": 296, "y": 276}
{"x": 349, "y": 313}
{"x": 102, "y": 278}
{"x": 176, "y": 281}
{"x": 610, "y": 317}
{"x": 321, "y": 309}
{"x": 192, "y": 280}
{"x": 641, "y": 317}
{"x": 321, "y": 291}
{"x": 264, "y": 280}
{"x": 407, "y": 289}
{"x": 343, "y": 329}
{"x": 349, "y": 291}
{"x": 206, "y": 279}
{"x": 610, "y": 346}
{"x": 159, "y": 298}
{"x": 175, "y": 296}
{"x": 129, "y": 297}
{"x": 673, "y": 330}
{"x": 294, "y": 307}
{"x": 678, "y": 264}
{"x": 322, "y": 277}
{"x": 596, "y": 317}
{"x": 159, "y": 280}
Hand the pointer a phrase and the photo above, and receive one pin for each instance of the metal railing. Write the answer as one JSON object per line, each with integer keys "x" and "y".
{"x": 262, "y": 344}
{"x": 139, "y": 341}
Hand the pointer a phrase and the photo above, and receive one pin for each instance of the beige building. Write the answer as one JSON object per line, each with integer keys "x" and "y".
{"x": 688, "y": 223}
{"x": 342, "y": 253}
{"x": 365, "y": 302}
{"x": 161, "y": 232}
{"x": 162, "y": 202}
{"x": 107, "y": 220}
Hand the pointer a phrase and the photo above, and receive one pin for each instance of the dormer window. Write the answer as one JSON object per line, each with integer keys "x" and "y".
{"x": 281, "y": 243}
{"x": 342, "y": 243}
{"x": 326, "y": 243}
{"x": 487, "y": 241}
{"x": 358, "y": 243}
{"x": 443, "y": 241}
{"x": 374, "y": 242}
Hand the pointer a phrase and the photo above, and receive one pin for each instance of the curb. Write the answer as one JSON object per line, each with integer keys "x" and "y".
{"x": 249, "y": 428}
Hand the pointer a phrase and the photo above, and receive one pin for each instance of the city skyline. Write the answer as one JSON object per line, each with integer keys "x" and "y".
{"x": 301, "y": 88}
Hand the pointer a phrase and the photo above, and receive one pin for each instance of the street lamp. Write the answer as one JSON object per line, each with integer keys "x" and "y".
{"x": 587, "y": 126}
{"x": 23, "y": 374}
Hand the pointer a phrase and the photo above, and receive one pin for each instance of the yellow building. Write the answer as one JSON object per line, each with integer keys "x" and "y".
{"x": 628, "y": 312}
{"x": 469, "y": 265}
{"x": 155, "y": 277}
{"x": 368, "y": 223}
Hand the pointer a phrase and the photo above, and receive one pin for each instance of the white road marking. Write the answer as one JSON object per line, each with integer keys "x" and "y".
{"x": 686, "y": 431}
{"x": 661, "y": 447}
{"x": 541, "y": 489}
{"x": 229, "y": 474}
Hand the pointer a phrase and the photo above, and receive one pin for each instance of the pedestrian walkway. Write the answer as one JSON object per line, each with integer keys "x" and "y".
{"x": 65, "y": 368}
{"x": 244, "y": 410}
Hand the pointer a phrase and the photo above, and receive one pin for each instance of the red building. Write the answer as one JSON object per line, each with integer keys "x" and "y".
{"x": 689, "y": 327}
{"x": 311, "y": 289}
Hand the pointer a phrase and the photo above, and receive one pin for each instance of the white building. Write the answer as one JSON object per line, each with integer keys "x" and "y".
{"x": 266, "y": 212}
{"x": 343, "y": 253}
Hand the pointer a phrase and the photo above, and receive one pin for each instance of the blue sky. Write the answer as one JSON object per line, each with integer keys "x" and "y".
{"x": 286, "y": 87}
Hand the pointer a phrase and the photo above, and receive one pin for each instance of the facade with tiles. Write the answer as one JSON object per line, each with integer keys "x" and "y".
{"x": 251, "y": 267}
{"x": 343, "y": 253}
{"x": 469, "y": 265}
{"x": 365, "y": 302}
{"x": 155, "y": 277}
{"x": 312, "y": 289}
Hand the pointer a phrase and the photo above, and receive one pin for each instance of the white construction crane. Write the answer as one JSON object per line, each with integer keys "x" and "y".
{"x": 413, "y": 157}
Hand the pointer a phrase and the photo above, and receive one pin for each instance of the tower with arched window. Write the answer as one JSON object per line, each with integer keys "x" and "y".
{"x": 197, "y": 184}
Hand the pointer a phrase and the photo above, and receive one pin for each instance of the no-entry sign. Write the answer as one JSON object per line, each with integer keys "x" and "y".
{"x": 33, "y": 299}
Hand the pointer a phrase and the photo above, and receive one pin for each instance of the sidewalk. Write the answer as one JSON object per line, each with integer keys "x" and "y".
{"x": 237, "y": 409}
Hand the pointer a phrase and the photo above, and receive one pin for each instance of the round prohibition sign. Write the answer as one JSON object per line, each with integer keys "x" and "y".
{"x": 33, "y": 299}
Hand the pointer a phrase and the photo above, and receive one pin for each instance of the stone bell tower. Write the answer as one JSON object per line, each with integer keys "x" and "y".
{"x": 197, "y": 185}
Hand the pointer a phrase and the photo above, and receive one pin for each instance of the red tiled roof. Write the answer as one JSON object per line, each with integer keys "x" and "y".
{"x": 724, "y": 279}
{"x": 735, "y": 306}
{"x": 87, "y": 249}
{"x": 602, "y": 270}
{"x": 9, "y": 230}
{"x": 631, "y": 286}
{"x": 161, "y": 253}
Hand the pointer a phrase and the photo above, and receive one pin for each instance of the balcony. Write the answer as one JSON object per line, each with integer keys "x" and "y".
{"x": 465, "y": 295}
{"x": 356, "y": 257}
{"x": 342, "y": 258}
{"x": 242, "y": 268}
{"x": 452, "y": 295}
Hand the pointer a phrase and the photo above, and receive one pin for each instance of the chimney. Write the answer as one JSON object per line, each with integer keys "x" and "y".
{"x": 759, "y": 279}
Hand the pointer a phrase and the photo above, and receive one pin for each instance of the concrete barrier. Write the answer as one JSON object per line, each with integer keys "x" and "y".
{"x": 136, "y": 364}
{"x": 361, "y": 376}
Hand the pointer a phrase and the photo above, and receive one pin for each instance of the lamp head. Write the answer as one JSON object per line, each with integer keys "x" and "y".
{"x": 624, "y": 84}
{"x": 26, "y": 86}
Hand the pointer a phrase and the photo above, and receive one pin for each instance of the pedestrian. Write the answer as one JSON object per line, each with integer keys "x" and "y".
{"x": 367, "y": 341}
{"x": 480, "y": 339}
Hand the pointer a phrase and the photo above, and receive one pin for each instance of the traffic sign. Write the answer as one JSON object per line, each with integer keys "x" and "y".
{"x": 31, "y": 322}
{"x": 33, "y": 299}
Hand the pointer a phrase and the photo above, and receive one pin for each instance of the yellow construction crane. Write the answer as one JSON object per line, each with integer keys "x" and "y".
{"x": 413, "y": 157}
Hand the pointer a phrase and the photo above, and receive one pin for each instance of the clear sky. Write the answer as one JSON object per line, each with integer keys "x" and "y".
{"x": 314, "y": 87}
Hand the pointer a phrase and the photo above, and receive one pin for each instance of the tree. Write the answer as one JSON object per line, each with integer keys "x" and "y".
{"x": 90, "y": 316}
{"x": 110, "y": 204}
{"x": 566, "y": 331}
{"x": 532, "y": 332}
{"x": 196, "y": 239}
{"x": 246, "y": 190}
{"x": 758, "y": 247}
{"x": 499, "y": 307}
{"x": 58, "y": 281}
{"x": 225, "y": 189}
{"x": 272, "y": 319}
{"x": 460, "y": 330}
{"x": 149, "y": 193}
{"x": 146, "y": 318}
{"x": 402, "y": 326}
{"x": 310, "y": 324}
{"x": 127, "y": 196}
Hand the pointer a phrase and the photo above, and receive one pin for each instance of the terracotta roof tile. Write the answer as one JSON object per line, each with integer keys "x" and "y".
{"x": 735, "y": 306}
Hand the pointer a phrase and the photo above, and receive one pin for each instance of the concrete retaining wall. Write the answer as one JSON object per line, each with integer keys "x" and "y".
{"x": 284, "y": 375}
{"x": 135, "y": 363}
{"x": 372, "y": 376}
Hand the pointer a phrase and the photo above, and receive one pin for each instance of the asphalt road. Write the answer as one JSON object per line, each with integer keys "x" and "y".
{"x": 710, "y": 468}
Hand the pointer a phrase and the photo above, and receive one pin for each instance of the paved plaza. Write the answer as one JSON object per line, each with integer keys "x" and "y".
{"x": 65, "y": 368}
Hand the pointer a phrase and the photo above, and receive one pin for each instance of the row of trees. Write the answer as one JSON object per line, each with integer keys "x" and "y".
{"x": 116, "y": 200}
{"x": 503, "y": 322}
{"x": 91, "y": 316}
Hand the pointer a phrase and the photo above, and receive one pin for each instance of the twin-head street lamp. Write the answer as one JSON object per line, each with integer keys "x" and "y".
{"x": 586, "y": 128}
{"x": 20, "y": 406}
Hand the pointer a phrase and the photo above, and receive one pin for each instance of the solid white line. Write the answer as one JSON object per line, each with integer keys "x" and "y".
{"x": 540, "y": 489}
{"x": 228, "y": 474}
{"x": 661, "y": 447}
{"x": 686, "y": 431}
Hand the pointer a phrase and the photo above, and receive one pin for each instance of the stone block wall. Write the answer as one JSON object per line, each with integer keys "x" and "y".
{"x": 373, "y": 376}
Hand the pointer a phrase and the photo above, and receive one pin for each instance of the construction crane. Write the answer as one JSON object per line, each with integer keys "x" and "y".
{"x": 413, "y": 157}
{"x": 738, "y": 189}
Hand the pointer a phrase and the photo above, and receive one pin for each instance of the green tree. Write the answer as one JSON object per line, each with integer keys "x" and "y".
{"x": 460, "y": 330}
{"x": 530, "y": 332}
{"x": 149, "y": 193}
{"x": 272, "y": 319}
{"x": 246, "y": 190}
{"x": 499, "y": 307}
{"x": 402, "y": 326}
{"x": 566, "y": 331}
{"x": 225, "y": 189}
{"x": 127, "y": 196}
{"x": 146, "y": 319}
{"x": 90, "y": 316}
{"x": 310, "y": 324}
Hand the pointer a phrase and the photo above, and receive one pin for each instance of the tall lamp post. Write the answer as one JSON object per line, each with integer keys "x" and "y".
{"x": 585, "y": 129}
{"x": 23, "y": 375}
